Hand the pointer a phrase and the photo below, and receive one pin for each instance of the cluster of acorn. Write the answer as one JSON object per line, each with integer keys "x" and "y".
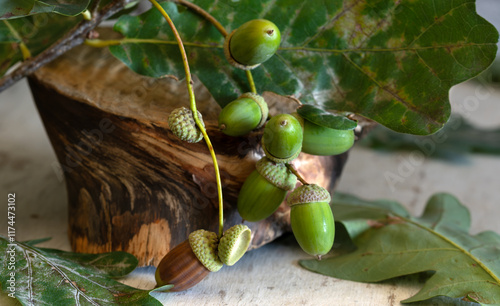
{"x": 284, "y": 137}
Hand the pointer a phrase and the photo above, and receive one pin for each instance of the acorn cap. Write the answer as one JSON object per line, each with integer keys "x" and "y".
{"x": 277, "y": 159}
{"x": 308, "y": 194}
{"x": 262, "y": 104}
{"x": 183, "y": 126}
{"x": 204, "y": 244}
{"x": 234, "y": 244}
{"x": 276, "y": 173}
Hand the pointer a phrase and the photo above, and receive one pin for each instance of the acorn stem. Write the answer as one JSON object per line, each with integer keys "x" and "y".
{"x": 250, "y": 81}
{"x": 297, "y": 174}
{"x": 192, "y": 101}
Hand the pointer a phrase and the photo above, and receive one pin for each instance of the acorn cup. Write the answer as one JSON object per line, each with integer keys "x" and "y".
{"x": 252, "y": 43}
{"x": 282, "y": 138}
{"x": 311, "y": 219}
{"x": 182, "y": 124}
{"x": 243, "y": 115}
{"x": 189, "y": 262}
{"x": 234, "y": 244}
{"x": 264, "y": 190}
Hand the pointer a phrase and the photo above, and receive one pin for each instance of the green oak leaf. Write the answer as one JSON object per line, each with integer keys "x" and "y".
{"x": 54, "y": 277}
{"x": 323, "y": 118}
{"x": 391, "y": 61}
{"x": 38, "y": 32}
{"x": 390, "y": 243}
{"x": 10, "y": 9}
{"x": 21, "y": 8}
{"x": 154, "y": 52}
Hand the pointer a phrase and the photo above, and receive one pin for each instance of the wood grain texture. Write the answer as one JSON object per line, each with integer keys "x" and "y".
{"x": 132, "y": 185}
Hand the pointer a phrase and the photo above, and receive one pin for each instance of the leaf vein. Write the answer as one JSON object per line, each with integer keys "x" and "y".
{"x": 428, "y": 67}
{"x": 399, "y": 49}
{"x": 332, "y": 20}
{"x": 412, "y": 251}
{"x": 464, "y": 251}
{"x": 390, "y": 92}
{"x": 285, "y": 34}
{"x": 54, "y": 266}
{"x": 30, "y": 276}
{"x": 436, "y": 22}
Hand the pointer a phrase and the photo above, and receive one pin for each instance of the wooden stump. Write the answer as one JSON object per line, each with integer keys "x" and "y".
{"x": 132, "y": 185}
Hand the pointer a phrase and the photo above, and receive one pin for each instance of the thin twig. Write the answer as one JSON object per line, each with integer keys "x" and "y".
{"x": 71, "y": 39}
{"x": 100, "y": 43}
{"x": 297, "y": 174}
{"x": 192, "y": 99}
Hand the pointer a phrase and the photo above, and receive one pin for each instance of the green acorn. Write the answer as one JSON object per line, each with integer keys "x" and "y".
{"x": 243, "y": 115}
{"x": 320, "y": 140}
{"x": 282, "y": 139}
{"x": 189, "y": 262}
{"x": 252, "y": 43}
{"x": 312, "y": 219}
{"x": 234, "y": 243}
{"x": 264, "y": 190}
{"x": 183, "y": 126}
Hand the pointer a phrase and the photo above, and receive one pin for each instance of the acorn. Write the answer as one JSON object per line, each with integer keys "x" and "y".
{"x": 183, "y": 126}
{"x": 311, "y": 219}
{"x": 243, "y": 115}
{"x": 234, "y": 243}
{"x": 252, "y": 43}
{"x": 320, "y": 140}
{"x": 282, "y": 138}
{"x": 189, "y": 262}
{"x": 264, "y": 190}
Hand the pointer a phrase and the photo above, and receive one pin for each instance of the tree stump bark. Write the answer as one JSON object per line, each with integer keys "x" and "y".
{"x": 132, "y": 185}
